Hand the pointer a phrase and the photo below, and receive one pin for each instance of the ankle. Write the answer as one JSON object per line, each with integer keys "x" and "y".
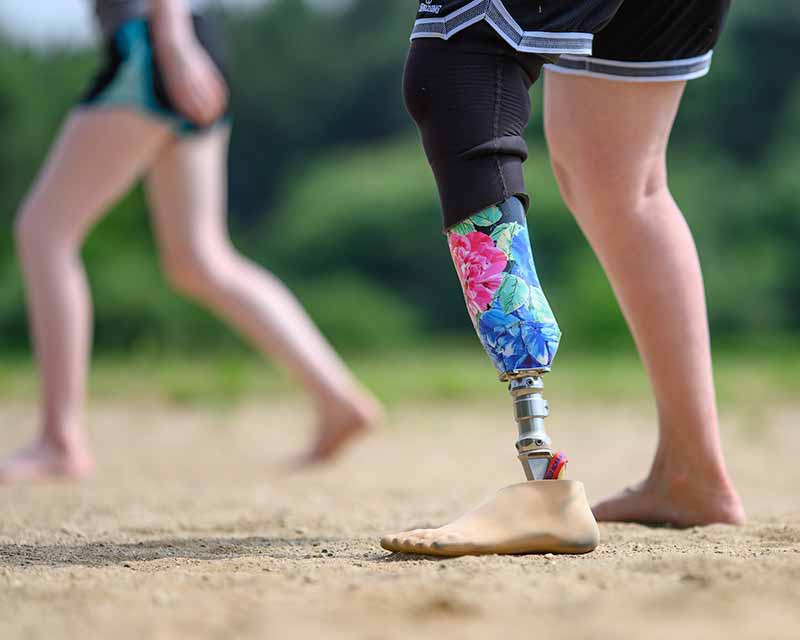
{"x": 354, "y": 400}
{"x": 699, "y": 459}
{"x": 64, "y": 442}
{"x": 684, "y": 472}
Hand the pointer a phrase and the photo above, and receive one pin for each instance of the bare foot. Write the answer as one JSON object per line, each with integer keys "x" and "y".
{"x": 545, "y": 516}
{"x": 44, "y": 461}
{"x": 682, "y": 501}
{"x": 340, "y": 427}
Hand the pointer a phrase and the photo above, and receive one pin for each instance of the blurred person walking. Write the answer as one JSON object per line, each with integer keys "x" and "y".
{"x": 157, "y": 111}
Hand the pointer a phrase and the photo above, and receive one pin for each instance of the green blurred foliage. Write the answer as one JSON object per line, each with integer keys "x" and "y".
{"x": 330, "y": 189}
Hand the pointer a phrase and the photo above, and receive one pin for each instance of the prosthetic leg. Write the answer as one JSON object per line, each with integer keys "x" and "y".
{"x": 533, "y": 444}
{"x": 547, "y": 514}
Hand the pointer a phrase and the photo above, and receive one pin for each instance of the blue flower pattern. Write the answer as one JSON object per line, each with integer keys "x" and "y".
{"x": 514, "y": 341}
{"x": 522, "y": 256}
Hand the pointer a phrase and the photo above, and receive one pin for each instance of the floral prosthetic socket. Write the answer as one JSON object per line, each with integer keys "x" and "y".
{"x": 492, "y": 254}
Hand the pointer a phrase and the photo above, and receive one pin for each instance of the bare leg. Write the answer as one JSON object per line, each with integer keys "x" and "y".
{"x": 187, "y": 190}
{"x": 95, "y": 159}
{"x": 608, "y": 144}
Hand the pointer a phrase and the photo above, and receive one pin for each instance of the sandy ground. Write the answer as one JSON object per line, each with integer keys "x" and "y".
{"x": 191, "y": 530}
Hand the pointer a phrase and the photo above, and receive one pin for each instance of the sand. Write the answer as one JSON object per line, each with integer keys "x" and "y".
{"x": 191, "y": 529}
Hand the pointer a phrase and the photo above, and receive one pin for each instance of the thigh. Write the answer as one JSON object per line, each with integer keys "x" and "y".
{"x": 96, "y": 157}
{"x": 609, "y": 134}
{"x": 187, "y": 192}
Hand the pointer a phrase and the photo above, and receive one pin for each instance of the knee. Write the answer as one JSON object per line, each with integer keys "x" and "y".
{"x": 604, "y": 179}
{"x": 36, "y": 236}
{"x": 198, "y": 272}
{"x": 24, "y": 232}
{"x": 570, "y": 164}
{"x": 573, "y": 189}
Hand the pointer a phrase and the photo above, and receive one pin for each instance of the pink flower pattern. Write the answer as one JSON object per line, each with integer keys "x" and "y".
{"x": 480, "y": 267}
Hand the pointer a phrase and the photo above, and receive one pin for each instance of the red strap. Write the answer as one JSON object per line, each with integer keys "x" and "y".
{"x": 557, "y": 464}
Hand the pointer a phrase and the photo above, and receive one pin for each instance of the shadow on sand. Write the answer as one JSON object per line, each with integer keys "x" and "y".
{"x": 104, "y": 554}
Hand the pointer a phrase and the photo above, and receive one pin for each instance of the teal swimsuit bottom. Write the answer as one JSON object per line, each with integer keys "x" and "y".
{"x": 130, "y": 74}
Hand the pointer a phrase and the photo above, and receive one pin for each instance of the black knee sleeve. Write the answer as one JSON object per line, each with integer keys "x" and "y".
{"x": 469, "y": 98}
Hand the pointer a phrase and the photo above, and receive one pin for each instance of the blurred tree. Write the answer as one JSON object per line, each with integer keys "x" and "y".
{"x": 305, "y": 81}
{"x": 330, "y": 188}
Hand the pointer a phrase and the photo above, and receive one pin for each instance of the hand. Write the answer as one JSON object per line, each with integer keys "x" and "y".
{"x": 193, "y": 82}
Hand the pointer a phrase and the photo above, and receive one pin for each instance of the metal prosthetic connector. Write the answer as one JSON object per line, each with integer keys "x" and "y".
{"x": 534, "y": 448}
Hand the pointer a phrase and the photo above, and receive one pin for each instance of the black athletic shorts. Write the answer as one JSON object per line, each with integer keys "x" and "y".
{"x": 653, "y": 41}
{"x": 468, "y": 74}
{"x": 130, "y": 76}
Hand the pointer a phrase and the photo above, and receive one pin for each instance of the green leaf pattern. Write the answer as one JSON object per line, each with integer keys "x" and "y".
{"x": 487, "y": 217}
{"x": 462, "y": 228}
{"x": 513, "y": 293}
{"x": 539, "y": 305}
{"x": 503, "y": 234}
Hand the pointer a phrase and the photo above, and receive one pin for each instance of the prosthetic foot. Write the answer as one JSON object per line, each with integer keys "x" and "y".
{"x": 547, "y": 514}
{"x": 529, "y": 517}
